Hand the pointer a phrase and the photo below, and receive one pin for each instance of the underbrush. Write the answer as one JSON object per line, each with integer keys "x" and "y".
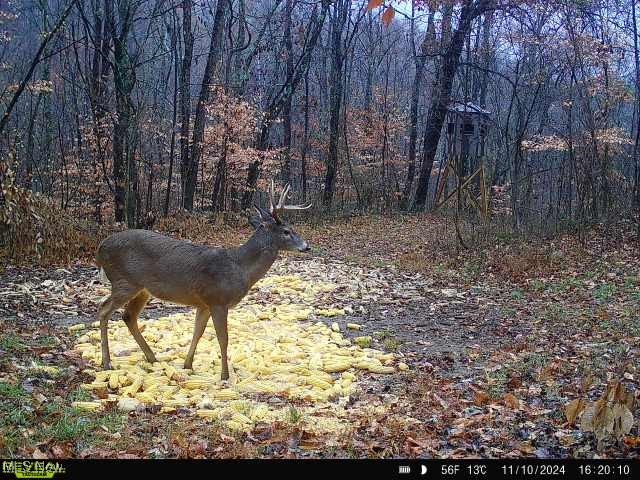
{"x": 36, "y": 231}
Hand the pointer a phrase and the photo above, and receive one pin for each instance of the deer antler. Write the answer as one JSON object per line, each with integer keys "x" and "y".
{"x": 272, "y": 204}
{"x": 275, "y": 207}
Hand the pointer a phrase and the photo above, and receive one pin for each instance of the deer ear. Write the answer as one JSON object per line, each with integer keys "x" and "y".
{"x": 263, "y": 215}
{"x": 258, "y": 210}
{"x": 254, "y": 222}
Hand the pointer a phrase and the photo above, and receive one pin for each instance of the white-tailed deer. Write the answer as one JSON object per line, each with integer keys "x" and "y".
{"x": 141, "y": 264}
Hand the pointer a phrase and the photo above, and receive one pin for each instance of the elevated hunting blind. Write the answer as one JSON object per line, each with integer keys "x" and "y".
{"x": 467, "y": 126}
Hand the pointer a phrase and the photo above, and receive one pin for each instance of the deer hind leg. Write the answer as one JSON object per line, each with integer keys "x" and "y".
{"x": 202, "y": 317}
{"x": 120, "y": 294}
{"x": 130, "y": 317}
{"x": 220, "y": 323}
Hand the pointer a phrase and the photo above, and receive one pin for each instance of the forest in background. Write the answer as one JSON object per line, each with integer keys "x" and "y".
{"x": 131, "y": 110}
{"x": 416, "y": 128}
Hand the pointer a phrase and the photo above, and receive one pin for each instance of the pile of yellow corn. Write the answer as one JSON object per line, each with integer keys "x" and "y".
{"x": 274, "y": 350}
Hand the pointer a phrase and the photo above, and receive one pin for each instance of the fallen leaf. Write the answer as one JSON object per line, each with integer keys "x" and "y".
{"x": 511, "y": 401}
{"x": 481, "y": 398}
{"x": 574, "y": 409}
{"x": 39, "y": 454}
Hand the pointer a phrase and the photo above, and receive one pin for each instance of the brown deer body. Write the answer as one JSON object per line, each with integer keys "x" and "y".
{"x": 141, "y": 264}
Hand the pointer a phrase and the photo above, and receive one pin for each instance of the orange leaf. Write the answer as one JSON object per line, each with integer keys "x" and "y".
{"x": 480, "y": 398}
{"x": 633, "y": 442}
{"x": 511, "y": 401}
{"x": 374, "y": 4}
{"x": 387, "y": 16}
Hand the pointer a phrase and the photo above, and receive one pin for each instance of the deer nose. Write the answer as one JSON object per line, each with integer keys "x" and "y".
{"x": 305, "y": 248}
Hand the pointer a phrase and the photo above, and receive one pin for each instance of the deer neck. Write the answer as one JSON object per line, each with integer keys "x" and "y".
{"x": 257, "y": 255}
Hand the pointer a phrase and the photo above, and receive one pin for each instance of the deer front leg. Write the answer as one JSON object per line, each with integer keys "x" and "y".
{"x": 104, "y": 313}
{"x": 202, "y": 316}
{"x": 219, "y": 315}
{"x": 121, "y": 293}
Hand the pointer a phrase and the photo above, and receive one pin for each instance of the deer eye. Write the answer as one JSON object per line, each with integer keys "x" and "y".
{"x": 287, "y": 232}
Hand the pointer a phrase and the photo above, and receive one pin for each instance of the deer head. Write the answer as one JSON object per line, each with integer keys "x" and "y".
{"x": 283, "y": 237}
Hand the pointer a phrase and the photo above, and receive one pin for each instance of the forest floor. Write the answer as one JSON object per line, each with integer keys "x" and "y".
{"x": 506, "y": 346}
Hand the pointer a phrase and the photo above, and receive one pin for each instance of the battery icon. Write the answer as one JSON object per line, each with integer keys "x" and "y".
{"x": 404, "y": 469}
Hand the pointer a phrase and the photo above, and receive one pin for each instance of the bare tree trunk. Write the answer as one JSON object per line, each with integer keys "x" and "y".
{"x": 125, "y": 168}
{"x": 636, "y": 145}
{"x": 185, "y": 93}
{"x": 213, "y": 58}
{"x": 420, "y": 61}
{"x": 442, "y": 95}
{"x": 176, "y": 68}
{"x": 305, "y": 138}
{"x": 338, "y": 22}
{"x": 286, "y": 110}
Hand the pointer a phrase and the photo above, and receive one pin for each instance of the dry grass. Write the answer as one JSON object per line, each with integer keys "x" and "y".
{"x": 425, "y": 243}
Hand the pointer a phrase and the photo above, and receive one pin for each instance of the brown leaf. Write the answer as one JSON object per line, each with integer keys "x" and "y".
{"x": 511, "y": 401}
{"x": 374, "y": 4}
{"x": 526, "y": 447}
{"x": 227, "y": 438}
{"x": 39, "y": 454}
{"x": 387, "y": 16}
{"x": 574, "y": 409}
{"x": 481, "y": 398}
{"x": 624, "y": 397}
{"x": 622, "y": 420}
{"x": 586, "y": 383}
{"x": 632, "y": 442}
{"x": 128, "y": 456}
{"x": 598, "y": 418}
{"x": 60, "y": 452}
{"x": 514, "y": 382}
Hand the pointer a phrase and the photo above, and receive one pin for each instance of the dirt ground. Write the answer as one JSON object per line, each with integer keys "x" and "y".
{"x": 499, "y": 343}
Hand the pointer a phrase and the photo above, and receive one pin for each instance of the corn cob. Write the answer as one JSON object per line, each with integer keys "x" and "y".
{"x": 134, "y": 387}
{"x": 87, "y": 406}
{"x": 380, "y": 369}
{"x": 240, "y": 418}
{"x": 236, "y": 426}
{"x": 318, "y": 383}
{"x": 94, "y": 386}
{"x": 363, "y": 341}
{"x": 226, "y": 394}
{"x": 145, "y": 397}
{"x": 175, "y": 402}
{"x": 193, "y": 384}
{"x": 113, "y": 381}
{"x": 208, "y": 414}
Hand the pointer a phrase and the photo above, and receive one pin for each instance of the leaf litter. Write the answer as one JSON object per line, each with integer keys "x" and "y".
{"x": 507, "y": 357}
